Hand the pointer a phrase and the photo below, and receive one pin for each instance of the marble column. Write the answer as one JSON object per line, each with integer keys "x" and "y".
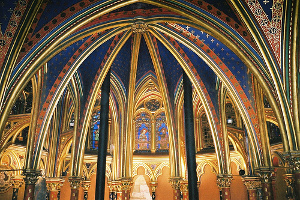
{"x": 126, "y": 187}
{"x": 31, "y": 177}
{"x": 184, "y": 188}
{"x": 153, "y": 186}
{"x": 175, "y": 182}
{"x": 75, "y": 183}
{"x": 252, "y": 183}
{"x": 265, "y": 176}
{"x": 53, "y": 186}
{"x": 86, "y": 185}
{"x": 224, "y": 182}
{"x": 17, "y": 182}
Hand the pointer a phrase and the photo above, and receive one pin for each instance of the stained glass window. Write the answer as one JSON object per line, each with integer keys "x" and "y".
{"x": 143, "y": 132}
{"x": 95, "y": 124}
{"x": 208, "y": 141}
{"x": 162, "y": 135}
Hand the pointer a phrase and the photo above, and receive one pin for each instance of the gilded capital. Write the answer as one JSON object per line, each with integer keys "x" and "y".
{"x": 184, "y": 186}
{"x": 86, "y": 185}
{"x": 175, "y": 182}
{"x": 75, "y": 182}
{"x": 17, "y": 182}
{"x": 265, "y": 175}
{"x": 126, "y": 184}
{"x": 252, "y": 182}
{"x": 31, "y": 176}
{"x": 224, "y": 181}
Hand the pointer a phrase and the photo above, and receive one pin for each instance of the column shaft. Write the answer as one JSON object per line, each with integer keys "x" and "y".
{"x": 103, "y": 132}
{"x": 190, "y": 138}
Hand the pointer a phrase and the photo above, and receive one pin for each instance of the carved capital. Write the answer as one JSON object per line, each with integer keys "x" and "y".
{"x": 224, "y": 181}
{"x": 184, "y": 186}
{"x": 175, "y": 182}
{"x": 289, "y": 180}
{"x": 252, "y": 182}
{"x": 126, "y": 184}
{"x": 293, "y": 162}
{"x": 53, "y": 183}
{"x": 75, "y": 182}
{"x": 86, "y": 185}
{"x": 153, "y": 186}
{"x": 31, "y": 176}
{"x": 265, "y": 175}
{"x": 17, "y": 182}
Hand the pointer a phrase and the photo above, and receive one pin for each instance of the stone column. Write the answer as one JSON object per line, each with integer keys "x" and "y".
{"x": 86, "y": 185}
{"x": 265, "y": 176}
{"x": 126, "y": 187}
{"x": 31, "y": 177}
{"x": 252, "y": 183}
{"x": 175, "y": 182}
{"x": 17, "y": 182}
{"x": 224, "y": 182}
{"x": 75, "y": 183}
{"x": 153, "y": 186}
{"x": 184, "y": 188}
{"x": 290, "y": 185}
{"x": 53, "y": 186}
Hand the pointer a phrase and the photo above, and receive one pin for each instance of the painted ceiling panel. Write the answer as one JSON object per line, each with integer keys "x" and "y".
{"x": 91, "y": 64}
{"x": 121, "y": 64}
{"x": 172, "y": 69}
{"x": 232, "y": 61}
{"x": 135, "y": 6}
{"x": 53, "y": 8}
{"x": 144, "y": 61}
{"x": 6, "y": 10}
{"x": 207, "y": 75}
{"x": 56, "y": 64}
{"x": 224, "y": 7}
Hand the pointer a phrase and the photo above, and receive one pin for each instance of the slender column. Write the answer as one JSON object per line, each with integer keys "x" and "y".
{"x": 198, "y": 133}
{"x": 265, "y": 176}
{"x": 290, "y": 183}
{"x": 75, "y": 183}
{"x": 103, "y": 132}
{"x": 126, "y": 187}
{"x": 184, "y": 187}
{"x": 190, "y": 137}
{"x": 224, "y": 182}
{"x": 175, "y": 182}
{"x": 153, "y": 186}
{"x": 85, "y": 186}
{"x": 109, "y": 136}
{"x": 17, "y": 182}
{"x": 153, "y": 139}
{"x": 31, "y": 177}
{"x": 252, "y": 183}
{"x": 53, "y": 186}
